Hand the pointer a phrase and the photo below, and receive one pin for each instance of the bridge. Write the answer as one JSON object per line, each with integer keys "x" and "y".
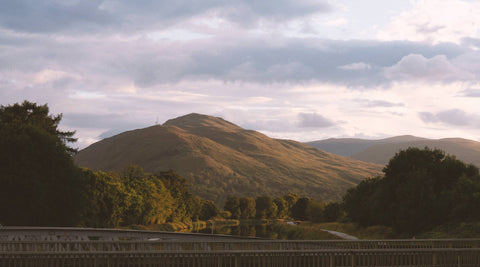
{"x": 20, "y": 246}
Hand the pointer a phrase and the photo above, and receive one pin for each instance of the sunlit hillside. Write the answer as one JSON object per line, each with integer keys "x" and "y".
{"x": 219, "y": 158}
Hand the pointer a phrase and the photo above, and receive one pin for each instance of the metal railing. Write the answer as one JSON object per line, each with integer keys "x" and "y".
{"x": 306, "y": 258}
{"x": 237, "y": 245}
{"x": 105, "y": 247}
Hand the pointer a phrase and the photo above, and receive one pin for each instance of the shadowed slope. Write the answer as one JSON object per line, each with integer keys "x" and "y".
{"x": 348, "y": 147}
{"x": 465, "y": 150}
{"x": 381, "y": 151}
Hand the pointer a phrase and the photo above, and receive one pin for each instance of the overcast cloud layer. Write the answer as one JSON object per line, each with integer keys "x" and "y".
{"x": 303, "y": 70}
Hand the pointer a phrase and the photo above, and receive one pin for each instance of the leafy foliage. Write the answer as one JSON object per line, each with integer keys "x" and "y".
{"x": 265, "y": 207}
{"x": 134, "y": 197}
{"x": 209, "y": 210}
{"x": 149, "y": 202}
{"x": 247, "y": 207}
{"x": 107, "y": 199}
{"x": 40, "y": 185}
{"x": 289, "y": 206}
{"x": 232, "y": 205}
{"x": 421, "y": 188}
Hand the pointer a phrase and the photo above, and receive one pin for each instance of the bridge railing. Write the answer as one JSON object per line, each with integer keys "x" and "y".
{"x": 236, "y": 245}
{"x": 258, "y": 258}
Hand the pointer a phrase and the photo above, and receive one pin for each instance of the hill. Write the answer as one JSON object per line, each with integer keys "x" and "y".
{"x": 219, "y": 158}
{"x": 381, "y": 151}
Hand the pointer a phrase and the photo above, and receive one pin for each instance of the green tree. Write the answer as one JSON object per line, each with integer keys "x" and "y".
{"x": 107, "y": 199}
{"x": 247, "y": 207}
{"x": 282, "y": 207}
{"x": 232, "y": 205}
{"x": 291, "y": 200}
{"x": 358, "y": 202}
{"x": 186, "y": 206}
{"x": 418, "y": 183}
{"x": 209, "y": 210}
{"x": 332, "y": 212}
{"x": 40, "y": 185}
{"x": 315, "y": 211}
{"x": 265, "y": 207}
{"x": 300, "y": 209}
{"x": 421, "y": 188}
{"x": 148, "y": 201}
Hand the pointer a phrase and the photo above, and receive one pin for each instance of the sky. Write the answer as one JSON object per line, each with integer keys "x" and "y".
{"x": 292, "y": 69}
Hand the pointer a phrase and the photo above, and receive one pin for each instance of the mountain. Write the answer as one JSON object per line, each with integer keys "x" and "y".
{"x": 381, "y": 151}
{"x": 348, "y": 147}
{"x": 219, "y": 158}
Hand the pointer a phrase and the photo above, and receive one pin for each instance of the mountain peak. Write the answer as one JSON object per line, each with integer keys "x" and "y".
{"x": 402, "y": 138}
{"x": 195, "y": 120}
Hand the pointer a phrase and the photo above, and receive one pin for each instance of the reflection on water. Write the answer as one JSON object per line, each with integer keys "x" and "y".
{"x": 263, "y": 231}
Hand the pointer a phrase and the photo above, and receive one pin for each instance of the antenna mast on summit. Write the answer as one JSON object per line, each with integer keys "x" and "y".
{"x": 156, "y": 121}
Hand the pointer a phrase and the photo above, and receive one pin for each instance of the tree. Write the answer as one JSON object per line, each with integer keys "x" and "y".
{"x": 40, "y": 185}
{"x": 418, "y": 183}
{"x": 37, "y": 116}
{"x": 358, "y": 202}
{"x": 265, "y": 208}
{"x": 300, "y": 209}
{"x": 247, "y": 208}
{"x": 148, "y": 201}
{"x": 209, "y": 210}
{"x": 232, "y": 205}
{"x": 332, "y": 212}
{"x": 291, "y": 200}
{"x": 282, "y": 207}
{"x": 107, "y": 199}
{"x": 315, "y": 211}
{"x": 186, "y": 206}
{"x": 421, "y": 188}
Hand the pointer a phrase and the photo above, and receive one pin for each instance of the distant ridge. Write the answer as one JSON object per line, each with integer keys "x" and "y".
{"x": 381, "y": 151}
{"x": 219, "y": 158}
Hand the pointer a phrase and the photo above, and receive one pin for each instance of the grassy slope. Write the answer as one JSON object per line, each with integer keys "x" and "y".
{"x": 219, "y": 158}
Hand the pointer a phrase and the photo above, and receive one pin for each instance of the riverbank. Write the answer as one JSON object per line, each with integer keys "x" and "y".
{"x": 303, "y": 230}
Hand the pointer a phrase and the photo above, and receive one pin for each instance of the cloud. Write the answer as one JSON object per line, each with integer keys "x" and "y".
{"x": 336, "y": 22}
{"x": 114, "y": 123}
{"x": 470, "y": 92}
{"x": 54, "y": 16}
{"x": 379, "y": 103}
{"x": 313, "y": 120}
{"x": 148, "y": 63}
{"x": 78, "y": 16}
{"x": 455, "y": 117}
{"x": 417, "y": 67}
{"x": 48, "y": 75}
{"x": 356, "y": 66}
{"x": 293, "y": 60}
{"x": 433, "y": 21}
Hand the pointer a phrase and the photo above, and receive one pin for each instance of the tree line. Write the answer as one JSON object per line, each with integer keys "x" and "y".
{"x": 290, "y": 206}
{"x": 40, "y": 185}
{"x": 133, "y": 197}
